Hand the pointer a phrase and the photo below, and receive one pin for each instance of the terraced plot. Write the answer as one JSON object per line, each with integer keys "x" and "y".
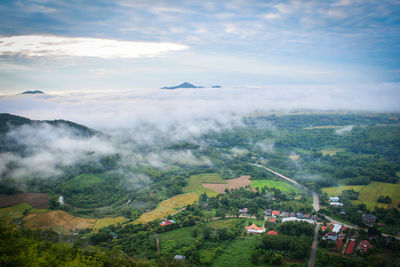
{"x": 104, "y": 222}
{"x": 168, "y": 207}
{"x": 58, "y": 221}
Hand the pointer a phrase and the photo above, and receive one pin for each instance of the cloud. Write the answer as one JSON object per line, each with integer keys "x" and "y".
{"x": 55, "y": 46}
{"x": 344, "y": 130}
{"x": 46, "y": 148}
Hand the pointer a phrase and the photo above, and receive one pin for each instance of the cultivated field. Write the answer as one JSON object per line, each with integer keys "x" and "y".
{"x": 168, "y": 207}
{"x": 14, "y": 212}
{"x": 337, "y": 190}
{"x": 58, "y": 221}
{"x": 196, "y": 183}
{"x": 37, "y": 200}
{"x": 104, "y": 222}
{"x": 369, "y": 194}
{"x": 284, "y": 187}
{"x": 230, "y": 184}
{"x": 294, "y": 157}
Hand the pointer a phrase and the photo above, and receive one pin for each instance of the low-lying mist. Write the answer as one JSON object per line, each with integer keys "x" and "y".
{"x": 140, "y": 125}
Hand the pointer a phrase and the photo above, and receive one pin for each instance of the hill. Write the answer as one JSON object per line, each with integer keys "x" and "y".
{"x": 8, "y": 121}
{"x": 35, "y": 92}
{"x": 182, "y": 85}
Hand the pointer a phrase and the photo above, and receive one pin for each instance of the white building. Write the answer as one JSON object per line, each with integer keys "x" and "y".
{"x": 336, "y": 204}
{"x": 336, "y": 228}
{"x": 61, "y": 200}
{"x": 294, "y": 219}
{"x": 334, "y": 199}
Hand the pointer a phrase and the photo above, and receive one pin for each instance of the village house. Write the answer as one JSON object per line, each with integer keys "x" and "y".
{"x": 300, "y": 215}
{"x": 284, "y": 214}
{"x": 243, "y": 211}
{"x": 330, "y": 236}
{"x": 268, "y": 212}
{"x": 333, "y": 199}
{"x": 336, "y": 228}
{"x": 275, "y": 213}
{"x": 179, "y": 257}
{"x": 292, "y": 214}
{"x": 272, "y": 232}
{"x": 307, "y": 216}
{"x": 368, "y": 219}
{"x": 255, "y": 229}
{"x": 294, "y": 219}
{"x": 364, "y": 245}
{"x": 167, "y": 222}
{"x": 336, "y": 204}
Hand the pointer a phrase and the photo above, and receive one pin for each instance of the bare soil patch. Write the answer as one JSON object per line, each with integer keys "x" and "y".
{"x": 236, "y": 183}
{"x": 36, "y": 200}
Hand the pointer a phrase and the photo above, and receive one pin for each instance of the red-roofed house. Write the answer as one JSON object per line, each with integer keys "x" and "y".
{"x": 272, "y": 232}
{"x": 323, "y": 228}
{"x": 167, "y": 222}
{"x": 350, "y": 247}
{"x": 339, "y": 243}
{"x": 364, "y": 245}
{"x": 275, "y": 213}
{"x": 272, "y": 220}
{"x": 255, "y": 229}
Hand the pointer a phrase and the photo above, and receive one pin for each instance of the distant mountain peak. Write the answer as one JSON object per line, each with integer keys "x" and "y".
{"x": 182, "y": 85}
{"x": 32, "y": 92}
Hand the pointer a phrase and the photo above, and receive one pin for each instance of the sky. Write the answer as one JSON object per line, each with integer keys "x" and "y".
{"x": 91, "y": 46}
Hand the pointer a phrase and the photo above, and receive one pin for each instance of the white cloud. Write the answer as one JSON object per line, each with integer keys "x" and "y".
{"x": 43, "y": 45}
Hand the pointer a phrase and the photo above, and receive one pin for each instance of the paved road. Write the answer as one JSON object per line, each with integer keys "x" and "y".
{"x": 314, "y": 246}
{"x": 278, "y": 174}
{"x": 315, "y": 201}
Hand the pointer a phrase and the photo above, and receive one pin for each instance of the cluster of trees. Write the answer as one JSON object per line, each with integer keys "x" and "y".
{"x": 21, "y": 247}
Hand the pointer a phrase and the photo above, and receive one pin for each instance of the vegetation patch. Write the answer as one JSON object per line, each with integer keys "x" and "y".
{"x": 370, "y": 193}
{"x": 15, "y": 212}
{"x": 230, "y": 184}
{"x": 58, "y": 221}
{"x": 196, "y": 183}
{"x": 237, "y": 253}
{"x": 104, "y": 222}
{"x": 331, "y": 152}
{"x": 168, "y": 207}
{"x": 284, "y": 187}
{"x": 337, "y": 190}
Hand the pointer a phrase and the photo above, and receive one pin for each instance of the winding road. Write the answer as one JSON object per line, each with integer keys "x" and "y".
{"x": 316, "y": 208}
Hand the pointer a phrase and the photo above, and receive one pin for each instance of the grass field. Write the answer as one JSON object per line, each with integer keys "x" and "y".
{"x": 196, "y": 183}
{"x": 103, "y": 222}
{"x": 284, "y": 187}
{"x": 237, "y": 253}
{"x": 370, "y": 193}
{"x": 175, "y": 241}
{"x": 168, "y": 206}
